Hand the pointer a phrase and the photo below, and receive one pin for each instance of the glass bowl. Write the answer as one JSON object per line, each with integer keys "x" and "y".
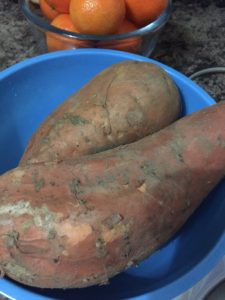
{"x": 141, "y": 41}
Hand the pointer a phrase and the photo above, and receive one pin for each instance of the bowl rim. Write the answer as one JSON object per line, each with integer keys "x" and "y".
{"x": 44, "y": 26}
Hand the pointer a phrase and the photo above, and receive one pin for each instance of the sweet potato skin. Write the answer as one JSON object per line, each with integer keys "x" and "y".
{"x": 122, "y": 104}
{"x": 79, "y": 222}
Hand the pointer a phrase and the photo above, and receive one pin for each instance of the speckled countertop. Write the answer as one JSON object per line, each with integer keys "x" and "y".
{"x": 193, "y": 39}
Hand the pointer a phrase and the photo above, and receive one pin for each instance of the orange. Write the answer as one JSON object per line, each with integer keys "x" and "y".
{"x": 133, "y": 44}
{"x": 62, "y": 6}
{"x": 142, "y": 12}
{"x": 57, "y": 42}
{"x": 48, "y": 11}
{"x": 97, "y": 16}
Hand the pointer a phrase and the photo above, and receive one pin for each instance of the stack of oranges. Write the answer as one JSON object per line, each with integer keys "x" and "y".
{"x": 99, "y": 17}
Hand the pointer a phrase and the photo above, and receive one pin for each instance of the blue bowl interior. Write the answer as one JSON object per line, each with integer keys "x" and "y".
{"x": 29, "y": 92}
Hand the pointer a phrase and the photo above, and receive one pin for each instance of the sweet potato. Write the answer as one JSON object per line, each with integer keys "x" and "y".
{"x": 124, "y": 103}
{"x": 79, "y": 222}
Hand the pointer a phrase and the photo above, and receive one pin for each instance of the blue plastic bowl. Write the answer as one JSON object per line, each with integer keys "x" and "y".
{"x": 29, "y": 91}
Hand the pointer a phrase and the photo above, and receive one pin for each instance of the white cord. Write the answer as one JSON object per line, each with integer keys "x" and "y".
{"x": 208, "y": 71}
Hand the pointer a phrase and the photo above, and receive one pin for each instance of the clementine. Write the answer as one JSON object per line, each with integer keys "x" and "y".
{"x": 97, "y": 16}
{"x": 48, "y": 11}
{"x": 132, "y": 44}
{"x": 142, "y": 12}
{"x": 62, "y": 6}
{"x": 57, "y": 42}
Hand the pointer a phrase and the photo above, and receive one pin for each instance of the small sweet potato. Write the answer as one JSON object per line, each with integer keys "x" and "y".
{"x": 124, "y": 103}
{"x": 79, "y": 222}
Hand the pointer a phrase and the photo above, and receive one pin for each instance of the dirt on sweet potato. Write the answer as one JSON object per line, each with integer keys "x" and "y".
{"x": 79, "y": 222}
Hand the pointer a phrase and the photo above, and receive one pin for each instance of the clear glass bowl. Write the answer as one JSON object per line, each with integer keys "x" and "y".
{"x": 141, "y": 41}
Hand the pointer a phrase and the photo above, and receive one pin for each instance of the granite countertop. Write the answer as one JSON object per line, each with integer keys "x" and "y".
{"x": 193, "y": 39}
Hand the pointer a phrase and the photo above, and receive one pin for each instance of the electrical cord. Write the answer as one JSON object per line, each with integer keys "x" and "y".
{"x": 207, "y": 71}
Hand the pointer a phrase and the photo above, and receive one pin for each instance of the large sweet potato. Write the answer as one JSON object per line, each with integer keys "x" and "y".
{"x": 124, "y": 103}
{"x": 79, "y": 222}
